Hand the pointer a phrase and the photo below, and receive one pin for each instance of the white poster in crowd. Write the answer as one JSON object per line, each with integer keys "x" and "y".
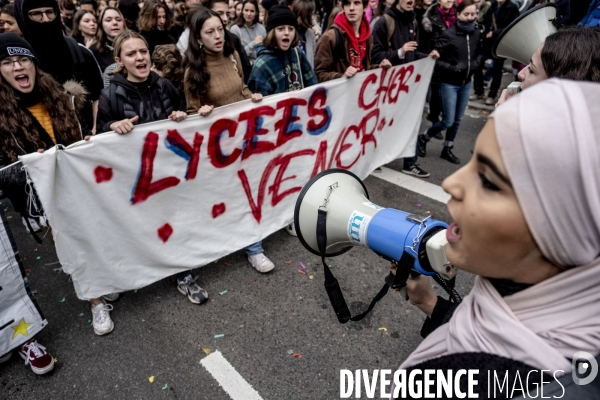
{"x": 128, "y": 210}
{"x": 20, "y": 318}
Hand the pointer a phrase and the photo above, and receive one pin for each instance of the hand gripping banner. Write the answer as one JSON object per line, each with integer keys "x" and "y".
{"x": 128, "y": 210}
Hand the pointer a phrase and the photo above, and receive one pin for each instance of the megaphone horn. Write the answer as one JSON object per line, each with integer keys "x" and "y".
{"x": 524, "y": 35}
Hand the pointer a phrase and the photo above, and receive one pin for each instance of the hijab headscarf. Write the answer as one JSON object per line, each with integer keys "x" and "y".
{"x": 549, "y": 137}
{"x": 46, "y": 38}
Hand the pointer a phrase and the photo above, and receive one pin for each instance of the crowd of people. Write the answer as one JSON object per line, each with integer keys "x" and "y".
{"x": 93, "y": 67}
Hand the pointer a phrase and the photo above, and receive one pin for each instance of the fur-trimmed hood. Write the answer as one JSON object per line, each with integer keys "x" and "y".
{"x": 432, "y": 19}
{"x": 77, "y": 92}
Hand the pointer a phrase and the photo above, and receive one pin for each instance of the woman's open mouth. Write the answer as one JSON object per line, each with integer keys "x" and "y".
{"x": 453, "y": 233}
{"x": 141, "y": 67}
{"x": 22, "y": 80}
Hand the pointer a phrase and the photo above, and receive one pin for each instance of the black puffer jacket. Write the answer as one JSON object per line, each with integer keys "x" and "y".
{"x": 433, "y": 24}
{"x": 405, "y": 30}
{"x": 122, "y": 99}
{"x": 460, "y": 55}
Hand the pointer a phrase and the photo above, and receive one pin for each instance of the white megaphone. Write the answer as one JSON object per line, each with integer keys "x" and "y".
{"x": 524, "y": 35}
{"x": 333, "y": 213}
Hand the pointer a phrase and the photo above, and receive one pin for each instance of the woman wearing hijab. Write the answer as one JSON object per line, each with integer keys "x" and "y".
{"x": 526, "y": 222}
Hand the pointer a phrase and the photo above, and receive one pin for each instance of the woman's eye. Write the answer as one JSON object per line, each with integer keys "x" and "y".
{"x": 485, "y": 182}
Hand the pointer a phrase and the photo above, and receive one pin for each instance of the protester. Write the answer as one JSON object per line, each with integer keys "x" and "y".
{"x": 112, "y": 23}
{"x": 353, "y": 54}
{"x": 231, "y": 11}
{"x": 371, "y": 9}
{"x": 85, "y": 28}
{"x": 8, "y": 16}
{"x": 399, "y": 49}
{"x": 563, "y": 8}
{"x": 67, "y": 12}
{"x": 168, "y": 64}
{"x": 380, "y": 10}
{"x": 101, "y": 6}
{"x": 184, "y": 39}
{"x": 249, "y": 29}
{"x": 130, "y": 10}
{"x": 180, "y": 12}
{"x": 461, "y": 49}
{"x": 303, "y": 10}
{"x": 37, "y": 114}
{"x": 154, "y": 24}
{"x": 437, "y": 18}
{"x": 137, "y": 95}
{"x": 90, "y": 5}
{"x": 58, "y": 55}
{"x": 534, "y": 304}
{"x": 218, "y": 6}
{"x": 238, "y": 9}
{"x": 425, "y": 45}
{"x": 280, "y": 66}
{"x": 570, "y": 53}
{"x": 213, "y": 78}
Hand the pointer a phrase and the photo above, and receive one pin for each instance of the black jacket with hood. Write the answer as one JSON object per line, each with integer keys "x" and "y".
{"x": 405, "y": 30}
{"x": 433, "y": 24}
{"x": 460, "y": 55}
{"x": 122, "y": 99}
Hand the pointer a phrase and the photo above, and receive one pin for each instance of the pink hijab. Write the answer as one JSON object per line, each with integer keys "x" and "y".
{"x": 549, "y": 138}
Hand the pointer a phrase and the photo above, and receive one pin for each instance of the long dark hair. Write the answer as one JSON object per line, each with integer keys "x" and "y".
{"x": 16, "y": 126}
{"x": 197, "y": 74}
{"x": 76, "y": 34}
{"x": 241, "y": 21}
{"x": 149, "y": 16}
{"x": 101, "y": 37}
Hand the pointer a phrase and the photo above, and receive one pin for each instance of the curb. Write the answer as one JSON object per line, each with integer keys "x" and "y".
{"x": 480, "y": 106}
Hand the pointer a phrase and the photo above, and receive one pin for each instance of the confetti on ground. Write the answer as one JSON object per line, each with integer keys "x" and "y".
{"x": 57, "y": 269}
{"x": 382, "y": 329}
{"x": 318, "y": 263}
{"x": 165, "y": 387}
{"x": 302, "y": 272}
{"x": 302, "y": 265}
{"x": 35, "y": 291}
{"x": 330, "y": 266}
{"x": 24, "y": 258}
{"x": 135, "y": 291}
{"x": 297, "y": 355}
{"x": 151, "y": 379}
{"x": 56, "y": 360}
{"x": 311, "y": 277}
{"x": 63, "y": 300}
{"x": 9, "y": 217}
{"x": 89, "y": 321}
{"x": 288, "y": 261}
{"x": 28, "y": 271}
{"x": 440, "y": 178}
{"x": 206, "y": 351}
{"x": 418, "y": 205}
{"x": 229, "y": 265}
{"x": 223, "y": 292}
{"x": 220, "y": 335}
{"x": 38, "y": 257}
{"x": 254, "y": 280}
{"x": 34, "y": 249}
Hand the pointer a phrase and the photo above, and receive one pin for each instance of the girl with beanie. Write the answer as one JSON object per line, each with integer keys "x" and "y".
{"x": 38, "y": 113}
{"x": 214, "y": 78}
{"x": 280, "y": 66}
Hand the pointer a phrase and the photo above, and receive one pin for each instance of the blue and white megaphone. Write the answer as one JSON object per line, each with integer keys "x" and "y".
{"x": 333, "y": 213}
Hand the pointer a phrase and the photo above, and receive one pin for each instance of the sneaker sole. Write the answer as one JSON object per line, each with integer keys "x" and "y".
{"x": 102, "y": 333}
{"x": 191, "y": 299}
{"x": 415, "y": 175}
{"x": 39, "y": 371}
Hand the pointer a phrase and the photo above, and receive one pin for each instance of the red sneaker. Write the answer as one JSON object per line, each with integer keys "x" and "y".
{"x": 35, "y": 355}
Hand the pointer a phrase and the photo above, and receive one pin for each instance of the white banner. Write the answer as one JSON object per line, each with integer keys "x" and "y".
{"x": 20, "y": 318}
{"x": 128, "y": 210}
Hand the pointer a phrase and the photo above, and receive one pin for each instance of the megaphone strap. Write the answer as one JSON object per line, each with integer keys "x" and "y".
{"x": 332, "y": 286}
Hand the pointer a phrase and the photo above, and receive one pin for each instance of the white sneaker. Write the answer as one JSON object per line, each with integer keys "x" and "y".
{"x": 261, "y": 263}
{"x": 111, "y": 296}
{"x": 33, "y": 223}
{"x": 291, "y": 229}
{"x": 101, "y": 319}
{"x": 6, "y": 357}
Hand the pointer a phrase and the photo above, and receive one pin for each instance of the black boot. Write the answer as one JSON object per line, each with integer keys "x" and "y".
{"x": 422, "y": 145}
{"x": 447, "y": 155}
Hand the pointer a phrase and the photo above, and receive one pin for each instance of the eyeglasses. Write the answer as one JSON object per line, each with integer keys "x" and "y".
{"x": 9, "y": 65}
{"x": 38, "y": 16}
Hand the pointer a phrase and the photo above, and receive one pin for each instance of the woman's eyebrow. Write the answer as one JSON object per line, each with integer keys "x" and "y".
{"x": 486, "y": 161}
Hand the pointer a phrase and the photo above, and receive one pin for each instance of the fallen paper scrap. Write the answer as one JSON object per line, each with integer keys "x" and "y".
{"x": 151, "y": 379}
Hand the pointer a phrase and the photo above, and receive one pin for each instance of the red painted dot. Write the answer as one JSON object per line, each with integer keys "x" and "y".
{"x": 165, "y": 232}
{"x": 418, "y": 78}
{"x": 103, "y": 174}
{"x": 218, "y": 209}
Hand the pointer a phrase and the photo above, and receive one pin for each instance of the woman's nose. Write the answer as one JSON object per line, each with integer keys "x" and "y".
{"x": 453, "y": 186}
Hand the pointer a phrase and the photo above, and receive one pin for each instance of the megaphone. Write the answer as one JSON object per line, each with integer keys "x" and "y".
{"x": 333, "y": 213}
{"x": 524, "y": 35}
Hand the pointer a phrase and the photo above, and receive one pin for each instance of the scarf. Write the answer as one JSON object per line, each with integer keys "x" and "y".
{"x": 358, "y": 46}
{"x": 448, "y": 16}
{"x": 549, "y": 137}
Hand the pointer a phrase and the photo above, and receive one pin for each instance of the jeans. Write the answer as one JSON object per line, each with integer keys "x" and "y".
{"x": 454, "y": 103}
{"x": 497, "y": 70}
{"x": 254, "y": 249}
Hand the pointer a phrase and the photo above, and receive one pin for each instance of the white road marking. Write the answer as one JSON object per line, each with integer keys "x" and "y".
{"x": 420, "y": 186}
{"x": 229, "y": 379}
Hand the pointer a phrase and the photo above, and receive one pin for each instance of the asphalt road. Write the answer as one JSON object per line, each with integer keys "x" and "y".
{"x": 265, "y": 319}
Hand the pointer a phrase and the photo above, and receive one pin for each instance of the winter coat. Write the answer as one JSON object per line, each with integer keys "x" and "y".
{"x": 328, "y": 64}
{"x": 433, "y": 24}
{"x": 247, "y": 35}
{"x": 277, "y": 71}
{"x": 157, "y": 37}
{"x": 424, "y": 36}
{"x": 163, "y": 97}
{"x": 310, "y": 42}
{"x": 503, "y": 16}
{"x": 405, "y": 30}
{"x": 460, "y": 55}
{"x": 103, "y": 59}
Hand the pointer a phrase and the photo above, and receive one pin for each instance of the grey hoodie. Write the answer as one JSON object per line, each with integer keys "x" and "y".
{"x": 248, "y": 34}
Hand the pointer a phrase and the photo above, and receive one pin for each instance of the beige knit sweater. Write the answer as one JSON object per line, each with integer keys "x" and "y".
{"x": 226, "y": 85}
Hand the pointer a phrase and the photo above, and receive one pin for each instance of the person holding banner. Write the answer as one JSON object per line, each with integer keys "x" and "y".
{"x": 280, "y": 66}
{"x": 214, "y": 78}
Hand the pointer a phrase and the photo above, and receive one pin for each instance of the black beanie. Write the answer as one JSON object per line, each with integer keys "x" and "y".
{"x": 268, "y": 4}
{"x": 281, "y": 15}
{"x": 12, "y": 44}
